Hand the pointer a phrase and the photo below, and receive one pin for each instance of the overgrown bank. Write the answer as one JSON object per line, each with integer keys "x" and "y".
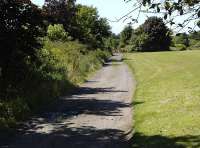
{"x": 61, "y": 66}
{"x": 44, "y": 54}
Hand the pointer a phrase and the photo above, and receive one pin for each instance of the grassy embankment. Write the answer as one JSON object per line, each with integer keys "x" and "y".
{"x": 60, "y": 68}
{"x": 167, "y": 99}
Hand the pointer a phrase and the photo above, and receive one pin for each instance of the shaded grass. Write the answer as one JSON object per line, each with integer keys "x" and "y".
{"x": 168, "y": 84}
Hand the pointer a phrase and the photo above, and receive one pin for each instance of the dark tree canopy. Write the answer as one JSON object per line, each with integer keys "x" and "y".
{"x": 60, "y": 12}
{"x": 153, "y": 35}
{"x": 158, "y": 34}
{"x": 20, "y": 23}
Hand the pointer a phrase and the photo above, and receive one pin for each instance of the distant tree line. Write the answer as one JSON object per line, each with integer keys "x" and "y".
{"x": 154, "y": 35}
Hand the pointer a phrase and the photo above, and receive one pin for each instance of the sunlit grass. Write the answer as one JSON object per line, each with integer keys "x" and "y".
{"x": 167, "y": 99}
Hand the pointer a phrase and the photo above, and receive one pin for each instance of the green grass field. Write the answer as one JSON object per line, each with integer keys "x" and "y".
{"x": 167, "y": 99}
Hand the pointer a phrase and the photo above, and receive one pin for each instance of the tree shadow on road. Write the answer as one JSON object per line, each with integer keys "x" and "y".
{"x": 89, "y": 90}
{"x": 64, "y": 136}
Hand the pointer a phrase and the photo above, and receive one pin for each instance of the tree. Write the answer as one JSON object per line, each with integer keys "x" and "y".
{"x": 153, "y": 35}
{"x": 61, "y": 12}
{"x": 169, "y": 9}
{"x": 90, "y": 28}
{"x": 112, "y": 42}
{"x": 125, "y": 36}
{"x": 20, "y": 23}
{"x": 57, "y": 32}
{"x": 195, "y": 35}
{"x": 182, "y": 38}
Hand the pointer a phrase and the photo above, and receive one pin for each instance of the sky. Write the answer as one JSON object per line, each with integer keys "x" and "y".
{"x": 115, "y": 9}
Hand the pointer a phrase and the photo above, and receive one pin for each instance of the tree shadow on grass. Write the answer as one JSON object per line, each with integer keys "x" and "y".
{"x": 135, "y": 103}
{"x": 158, "y": 141}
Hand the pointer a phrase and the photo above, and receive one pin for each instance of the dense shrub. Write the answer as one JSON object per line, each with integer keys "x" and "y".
{"x": 57, "y": 32}
{"x": 178, "y": 47}
{"x": 60, "y": 66}
{"x": 181, "y": 38}
{"x": 139, "y": 41}
{"x": 194, "y": 44}
{"x": 125, "y": 36}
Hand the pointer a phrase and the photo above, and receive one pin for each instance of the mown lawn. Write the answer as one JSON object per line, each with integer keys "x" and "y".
{"x": 167, "y": 99}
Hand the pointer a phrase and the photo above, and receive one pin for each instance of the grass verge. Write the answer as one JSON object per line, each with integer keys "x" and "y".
{"x": 167, "y": 99}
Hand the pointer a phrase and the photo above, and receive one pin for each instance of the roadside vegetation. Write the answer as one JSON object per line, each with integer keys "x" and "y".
{"x": 167, "y": 99}
{"x": 45, "y": 53}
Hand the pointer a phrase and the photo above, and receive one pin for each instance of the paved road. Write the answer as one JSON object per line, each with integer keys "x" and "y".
{"x": 98, "y": 115}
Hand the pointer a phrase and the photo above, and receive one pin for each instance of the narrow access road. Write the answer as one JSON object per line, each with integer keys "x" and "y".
{"x": 98, "y": 115}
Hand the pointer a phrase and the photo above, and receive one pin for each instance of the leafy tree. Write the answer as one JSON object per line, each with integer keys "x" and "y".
{"x": 60, "y": 12}
{"x": 57, "y": 32}
{"x": 20, "y": 23}
{"x": 169, "y": 9}
{"x": 112, "y": 42}
{"x": 125, "y": 36}
{"x": 90, "y": 28}
{"x": 194, "y": 39}
{"x": 139, "y": 40}
{"x": 157, "y": 33}
{"x": 195, "y": 35}
{"x": 182, "y": 38}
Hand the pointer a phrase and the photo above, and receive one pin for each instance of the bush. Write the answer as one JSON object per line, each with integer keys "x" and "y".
{"x": 57, "y": 32}
{"x": 140, "y": 42}
{"x": 128, "y": 48}
{"x": 178, "y": 47}
{"x": 194, "y": 44}
{"x": 59, "y": 67}
{"x": 182, "y": 38}
{"x": 153, "y": 35}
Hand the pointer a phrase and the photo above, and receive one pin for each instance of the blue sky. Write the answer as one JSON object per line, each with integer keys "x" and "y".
{"x": 114, "y": 9}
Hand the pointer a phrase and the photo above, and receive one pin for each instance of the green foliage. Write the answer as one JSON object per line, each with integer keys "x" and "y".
{"x": 57, "y": 32}
{"x": 111, "y": 43}
{"x": 18, "y": 39}
{"x": 60, "y": 66}
{"x": 195, "y": 35}
{"x": 158, "y": 35}
{"x": 153, "y": 35}
{"x": 171, "y": 8}
{"x": 139, "y": 41}
{"x": 194, "y": 39}
{"x": 90, "y": 28}
{"x": 36, "y": 70}
{"x": 178, "y": 47}
{"x": 182, "y": 38}
{"x": 60, "y": 12}
{"x": 125, "y": 36}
